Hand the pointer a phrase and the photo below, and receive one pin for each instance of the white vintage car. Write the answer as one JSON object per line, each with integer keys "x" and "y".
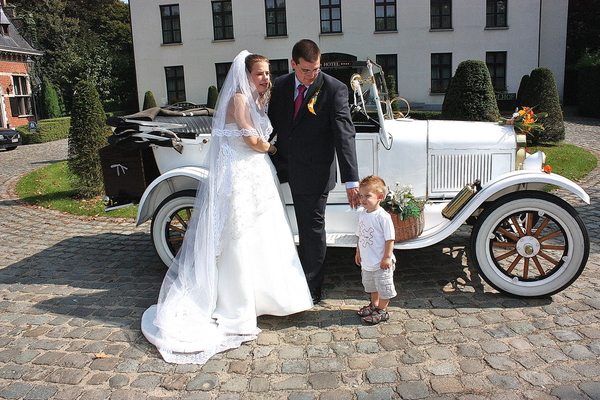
{"x": 525, "y": 241}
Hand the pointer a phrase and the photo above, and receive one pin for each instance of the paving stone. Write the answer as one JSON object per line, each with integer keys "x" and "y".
{"x": 413, "y": 390}
{"x": 504, "y": 381}
{"x": 377, "y": 376}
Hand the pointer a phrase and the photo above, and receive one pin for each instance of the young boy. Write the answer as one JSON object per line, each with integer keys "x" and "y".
{"x": 375, "y": 250}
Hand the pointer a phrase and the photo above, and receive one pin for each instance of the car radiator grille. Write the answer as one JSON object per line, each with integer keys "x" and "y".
{"x": 449, "y": 173}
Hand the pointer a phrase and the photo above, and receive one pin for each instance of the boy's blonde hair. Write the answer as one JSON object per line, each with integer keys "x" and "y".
{"x": 375, "y": 183}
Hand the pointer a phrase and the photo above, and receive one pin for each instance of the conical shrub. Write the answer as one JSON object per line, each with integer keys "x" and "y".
{"x": 87, "y": 135}
{"x": 50, "y": 99}
{"x": 149, "y": 100}
{"x": 522, "y": 86}
{"x": 470, "y": 95}
{"x": 541, "y": 95}
{"x": 211, "y": 100}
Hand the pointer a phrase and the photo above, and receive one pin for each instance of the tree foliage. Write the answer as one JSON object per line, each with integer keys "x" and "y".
{"x": 82, "y": 40}
{"x": 470, "y": 95}
{"x": 583, "y": 30}
{"x": 87, "y": 135}
{"x": 541, "y": 94}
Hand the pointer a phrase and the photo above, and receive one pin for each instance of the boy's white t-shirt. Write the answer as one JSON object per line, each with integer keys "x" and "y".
{"x": 373, "y": 230}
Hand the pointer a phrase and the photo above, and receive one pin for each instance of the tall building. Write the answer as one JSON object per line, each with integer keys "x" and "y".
{"x": 183, "y": 47}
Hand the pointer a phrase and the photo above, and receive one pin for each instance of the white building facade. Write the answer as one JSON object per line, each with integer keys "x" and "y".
{"x": 182, "y": 47}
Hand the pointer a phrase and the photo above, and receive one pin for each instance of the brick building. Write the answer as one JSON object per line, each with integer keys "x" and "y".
{"x": 16, "y": 56}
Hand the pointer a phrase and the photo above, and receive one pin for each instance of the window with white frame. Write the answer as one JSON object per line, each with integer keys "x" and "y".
{"x": 20, "y": 102}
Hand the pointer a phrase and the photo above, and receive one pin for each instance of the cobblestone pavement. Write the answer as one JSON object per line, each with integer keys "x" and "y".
{"x": 73, "y": 289}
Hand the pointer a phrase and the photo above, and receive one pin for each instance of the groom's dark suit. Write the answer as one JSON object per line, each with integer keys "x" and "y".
{"x": 307, "y": 147}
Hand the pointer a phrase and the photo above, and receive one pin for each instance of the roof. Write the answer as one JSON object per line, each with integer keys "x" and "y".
{"x": 14, "y": 42}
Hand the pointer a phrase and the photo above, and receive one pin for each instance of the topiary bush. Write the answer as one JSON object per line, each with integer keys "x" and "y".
{"x": 87, "y": 135}
{"x": 470, "y": 95}
{"x": 541, "y": 94}
{"x": 149, "y": 101}
{"x": 47, "y": 130}
{"x": 51, "y": 105}
{"x": 211, "y": 99}
{"x": 521, "y": 90}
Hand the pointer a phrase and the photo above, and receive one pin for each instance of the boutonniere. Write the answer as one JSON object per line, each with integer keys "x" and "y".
{"x": 313, "y": 100}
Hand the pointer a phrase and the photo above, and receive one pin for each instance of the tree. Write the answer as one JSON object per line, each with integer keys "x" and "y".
{"x": 88, "y": 133}
{"x": 542, "y": 96}
{"x": 149, "y": 101}
{"x": 588, "y": 69}
{"x": 51, "y": 104}
{"x": 82, "y": 40}
{"x": 470, "y": 95}
{"x": 211, "y": 100}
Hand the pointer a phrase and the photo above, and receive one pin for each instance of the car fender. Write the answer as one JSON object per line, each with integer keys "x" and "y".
{"x": 492, "y": 190}
{"x": 175, "y": 180}
{"x": 516, "y": 181}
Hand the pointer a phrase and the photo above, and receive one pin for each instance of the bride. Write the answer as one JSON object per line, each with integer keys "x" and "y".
{"x": 238, "y": 259}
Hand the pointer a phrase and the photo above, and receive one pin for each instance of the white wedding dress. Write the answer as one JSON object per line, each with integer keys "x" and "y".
{"x": 257, "y": 271}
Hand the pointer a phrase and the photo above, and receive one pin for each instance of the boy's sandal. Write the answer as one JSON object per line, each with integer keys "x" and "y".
{"x": 378, "y": 315}
{"x": 366, "y": 310}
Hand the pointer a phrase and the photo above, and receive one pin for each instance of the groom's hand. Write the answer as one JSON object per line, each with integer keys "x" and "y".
{"x": 352, "y": 194}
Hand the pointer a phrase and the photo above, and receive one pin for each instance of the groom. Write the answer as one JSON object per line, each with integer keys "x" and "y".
{"x": 310, "y": 114}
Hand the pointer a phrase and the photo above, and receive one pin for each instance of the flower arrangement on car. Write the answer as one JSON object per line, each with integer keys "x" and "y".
{"x": 524, "y": 120}
{"x": 406, "y": 211}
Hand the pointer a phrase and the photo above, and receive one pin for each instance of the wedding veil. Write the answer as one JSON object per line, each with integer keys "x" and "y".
{"x": 183, "y": 329}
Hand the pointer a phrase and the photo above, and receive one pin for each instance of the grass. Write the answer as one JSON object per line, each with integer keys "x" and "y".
{"x": 568, "y": 160}
{"x": 49, "y": 187}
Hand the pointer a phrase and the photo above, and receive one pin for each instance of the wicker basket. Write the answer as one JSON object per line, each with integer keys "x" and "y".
{"x": 409, "y": 228}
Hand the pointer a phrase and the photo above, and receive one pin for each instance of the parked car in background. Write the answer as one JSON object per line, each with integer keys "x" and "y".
{"x": 9, "y": 139}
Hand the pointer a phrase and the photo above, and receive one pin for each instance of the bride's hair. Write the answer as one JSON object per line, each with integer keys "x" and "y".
{"x": 252, "y": 59}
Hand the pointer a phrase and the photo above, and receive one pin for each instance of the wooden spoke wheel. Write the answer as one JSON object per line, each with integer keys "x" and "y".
{"x": 530, "y": 244}
{"x": 170, "y": 224}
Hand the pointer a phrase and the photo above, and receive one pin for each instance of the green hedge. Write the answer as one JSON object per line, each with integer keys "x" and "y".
{"x": 47, "y": 130}
{"x": 425, "y": 114}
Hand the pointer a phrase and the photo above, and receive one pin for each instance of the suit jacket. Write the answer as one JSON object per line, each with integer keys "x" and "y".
{"x": 307, "y": 145}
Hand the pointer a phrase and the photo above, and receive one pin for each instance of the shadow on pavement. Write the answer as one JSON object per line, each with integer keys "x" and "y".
{"x": 112, "y": 278}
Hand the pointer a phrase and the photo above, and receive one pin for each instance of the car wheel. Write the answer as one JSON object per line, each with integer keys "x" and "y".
{"x": 530, "y": 244}
{"x": 170, "y": 223}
